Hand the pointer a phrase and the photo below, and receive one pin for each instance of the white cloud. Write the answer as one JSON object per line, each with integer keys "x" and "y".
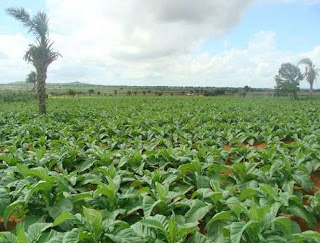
{"x": 138, "y": 42}
{"x": 12, "y": 66}
{"x": 313, "y": 2}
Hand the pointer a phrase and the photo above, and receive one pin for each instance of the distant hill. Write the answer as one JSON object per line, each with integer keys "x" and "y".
{"x": 76, "y": 83}
{"x": 23, "y": 83}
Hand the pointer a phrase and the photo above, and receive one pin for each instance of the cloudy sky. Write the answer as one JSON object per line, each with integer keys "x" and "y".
{"x": 166, "y": 42}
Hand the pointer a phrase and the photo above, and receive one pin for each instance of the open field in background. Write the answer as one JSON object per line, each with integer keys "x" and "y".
{"x": 176, "y": 169}
{"x": 60, "y": 89}
{"x": 77, "y": 90}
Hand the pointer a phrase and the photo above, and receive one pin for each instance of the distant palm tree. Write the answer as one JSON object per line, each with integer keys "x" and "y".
{"x": 310, "y": 74}
{"x": 40, "y": 54}
{"x": 32, "y": 79}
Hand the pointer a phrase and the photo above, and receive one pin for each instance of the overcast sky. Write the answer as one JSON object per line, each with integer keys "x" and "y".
{"x": 166, "y": 42}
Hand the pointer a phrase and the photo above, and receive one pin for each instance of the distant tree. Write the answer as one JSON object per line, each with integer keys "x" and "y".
{"x": 115, "y": 92}
{"x": 129, "y": 93}
{"x": 79, "y": 93}
{"x": 98, "y": 93}
{"x": 41, "y": 53}
{"x": 32, "y": 79}
{"x": 91, "y": 91}
{"x": 287, "y": 80}
{"x": 171, "y": 94}
{"x": 183, "y": 92}
{"x": 135, "y": 93}
{"x": 144, "y": 92}
{"x": 149, "y": 91}
{"x": 244, "y": 91}
{"x": 215, "y": 92}
{"x": 310, "y": 74}
{"x": 72, "y": 92}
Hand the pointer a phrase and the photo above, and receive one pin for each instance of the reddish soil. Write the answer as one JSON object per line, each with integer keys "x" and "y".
{"x": 315, "y": 177}
{"x": 30, "y": 148}
{"x": 227, "y": 172}
{"x": 229, "y": 163}
{"x": 305, "y": 202}
{"x": 297, "y": 188}
{"x": 56, "y": 169}
{"x": 311, "y": 192}
{"x": 318, "y": 227}
{"x": 202, "y": 226}
{"x": 259, "y": 146}
{"x": 12, "y": 222}
{"x": 301, "y": 222}
{"x": 1, "y": 150}
{"x": 288, "y": 141}
{"x": 91, "y": 187}
{"x": 189, "y": 194}
{"x": 227, "y": 147}
{"x": 105, "y": 145}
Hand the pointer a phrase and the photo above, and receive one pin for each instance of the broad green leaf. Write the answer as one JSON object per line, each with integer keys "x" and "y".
{"x": 4, "y": 200}
{"x": 8, "y": 237}
{"x": 285, "y": 224}
{"x": 94, "y": 219}
{"x": 71, "y": 236}
{"x": 9, "y": 210}
{"x": 63, "y": 218}
{"x": 237, "y": 229}
{"x": 21, "y": 234}
{"x": 197, "y": 211}
{"x": 35, "y": 231}
{"x": 223, "y": 216}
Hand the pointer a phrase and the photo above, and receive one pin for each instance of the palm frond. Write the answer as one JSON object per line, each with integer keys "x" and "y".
{"x": 41, "y": 56}
{"x": 22, "y": 15}
{"x": 41, "y": 27}
{"x": 40, "y": 53}
{"x": 306, "y": 61}
{"x": 32, "y": 77}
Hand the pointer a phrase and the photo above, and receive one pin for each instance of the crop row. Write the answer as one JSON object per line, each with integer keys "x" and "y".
{"x": 160, "y": 170}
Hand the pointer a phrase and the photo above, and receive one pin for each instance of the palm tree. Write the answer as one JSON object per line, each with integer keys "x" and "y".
{"x": 310, "y": 74}
{"x": 40, "y": 54}
{"x": 32, "y": 79}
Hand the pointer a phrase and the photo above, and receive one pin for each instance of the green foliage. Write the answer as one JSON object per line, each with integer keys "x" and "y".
{"x": 9, "y": 97}
{"x": 126, "y": 170}
{"x": 288, "y": 79}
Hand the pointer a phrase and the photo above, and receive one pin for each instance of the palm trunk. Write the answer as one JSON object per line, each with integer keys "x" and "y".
{"x": 295, "y": 95}
{"x": 310, "y": 93}
{"x": 42, "y": 76}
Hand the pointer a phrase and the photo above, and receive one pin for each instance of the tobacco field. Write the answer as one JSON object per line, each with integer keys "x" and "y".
{"x": 160, "y": 169}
